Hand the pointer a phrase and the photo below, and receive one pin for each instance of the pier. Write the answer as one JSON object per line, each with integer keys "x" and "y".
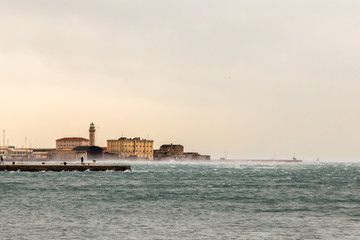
{"x": 59, "y": 168}
{"x": 271, "y": 161}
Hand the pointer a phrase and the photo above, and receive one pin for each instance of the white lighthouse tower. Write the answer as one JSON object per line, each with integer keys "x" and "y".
{"x": 92, "y": 134}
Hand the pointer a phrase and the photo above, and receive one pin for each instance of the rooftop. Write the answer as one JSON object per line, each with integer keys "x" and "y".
{"x": 82, "y": 148}
{"x": 130, "y": 139}
{"x": 72, "y": 139}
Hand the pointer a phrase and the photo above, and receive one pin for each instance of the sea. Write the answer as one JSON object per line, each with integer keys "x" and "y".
{"x": 185, "y": 200}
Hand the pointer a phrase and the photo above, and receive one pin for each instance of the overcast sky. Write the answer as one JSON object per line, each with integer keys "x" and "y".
{"x": 259, "y": 78}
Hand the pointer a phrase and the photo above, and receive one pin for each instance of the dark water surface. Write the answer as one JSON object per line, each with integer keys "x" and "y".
{"x": 184, "y": 201}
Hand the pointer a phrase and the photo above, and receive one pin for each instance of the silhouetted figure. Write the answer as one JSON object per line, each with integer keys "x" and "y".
{"x": 13, "y": 163}
{"x": 64, "y": 163}
{"x": 82, "y": 160}
{"x": 2, "y": 160}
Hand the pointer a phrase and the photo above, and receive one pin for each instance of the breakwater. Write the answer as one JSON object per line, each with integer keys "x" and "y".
{"x": 58, "y": 168}
{"x": 272, "y": 161}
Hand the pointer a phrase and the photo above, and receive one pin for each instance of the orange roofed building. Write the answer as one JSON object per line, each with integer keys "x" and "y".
{"x": 68, "y": 143}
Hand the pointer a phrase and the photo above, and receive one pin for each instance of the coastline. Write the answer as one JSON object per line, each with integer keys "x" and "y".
{"x": 21, "y": 160}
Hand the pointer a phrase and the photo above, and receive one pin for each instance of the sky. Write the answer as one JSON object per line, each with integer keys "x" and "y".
{"x": 252, "y": 79}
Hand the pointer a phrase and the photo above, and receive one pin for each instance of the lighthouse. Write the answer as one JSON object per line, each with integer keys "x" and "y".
{"x": 92, "y": 135}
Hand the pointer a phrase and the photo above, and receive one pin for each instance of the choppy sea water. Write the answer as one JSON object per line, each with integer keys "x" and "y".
{"x": 184, "y": 201}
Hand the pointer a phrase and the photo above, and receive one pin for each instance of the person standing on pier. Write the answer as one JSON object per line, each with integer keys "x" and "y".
{"x": 2, "y": 160}
{"x": 82, "y": 160}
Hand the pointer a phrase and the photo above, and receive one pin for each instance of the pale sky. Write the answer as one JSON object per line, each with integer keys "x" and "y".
{"x": 259, "y": 78}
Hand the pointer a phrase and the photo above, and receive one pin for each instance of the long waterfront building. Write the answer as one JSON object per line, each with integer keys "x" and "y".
{"x": 69, "y": 143}
{"x": 131, "y": 148}
{"x": 13, "y": 152}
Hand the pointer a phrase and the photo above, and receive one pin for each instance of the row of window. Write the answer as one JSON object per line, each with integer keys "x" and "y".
{"x": 129, "y": 151}
{"x": 15, "y": 152}
{"x": 132, "y": 145}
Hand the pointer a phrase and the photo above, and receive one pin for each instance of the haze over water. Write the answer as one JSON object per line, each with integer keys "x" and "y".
{"x": 247, "y": 79}
{"x": 185, "y": 201}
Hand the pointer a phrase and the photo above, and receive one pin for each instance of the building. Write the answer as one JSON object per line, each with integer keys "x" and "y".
{"x": 131, "y": 148}
{"x": 42, "y": 153}
{"x": 92, "y": 134}
{"x": 74, "y": 148}
{"x": 195, "y": 156}
{"x": 63, "y": 155}
{"x": 90, "y": 152}
{"x": 169, "y": 151}
{"x": 176, "y": 152}
{"x": 75, "y": 154}
{"x": 69, "y": 143}
{"x": 11, "y": 152}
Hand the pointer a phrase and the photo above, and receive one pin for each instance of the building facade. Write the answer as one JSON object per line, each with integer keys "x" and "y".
{"x": 86, "y": 152}
{"x": 69, "y": 143}
{"x": 13, "y": 152}
{"x": 176, "y": 152}
{"x": 131, "y": 148}
{"x": 169, "y": 151}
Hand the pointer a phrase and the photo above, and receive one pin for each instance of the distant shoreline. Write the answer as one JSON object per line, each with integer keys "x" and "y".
{"x": 167, "y": 160}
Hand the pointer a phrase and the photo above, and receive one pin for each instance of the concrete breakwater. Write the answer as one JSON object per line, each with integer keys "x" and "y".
{"x": 272, "y": 160}
{"x": 58, "y": 168}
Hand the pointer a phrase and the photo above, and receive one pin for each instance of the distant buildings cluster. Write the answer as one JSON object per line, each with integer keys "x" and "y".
{"x": 74, "y": 148}
{"x": 176, "y": 152}
{"x": 12, "y": 152}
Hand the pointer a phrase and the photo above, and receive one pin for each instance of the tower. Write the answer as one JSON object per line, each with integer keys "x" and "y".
{"x": 92, "y": 134}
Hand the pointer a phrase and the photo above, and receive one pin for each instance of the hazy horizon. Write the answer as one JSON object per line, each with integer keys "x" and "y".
{"x": 253, "y": 79}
